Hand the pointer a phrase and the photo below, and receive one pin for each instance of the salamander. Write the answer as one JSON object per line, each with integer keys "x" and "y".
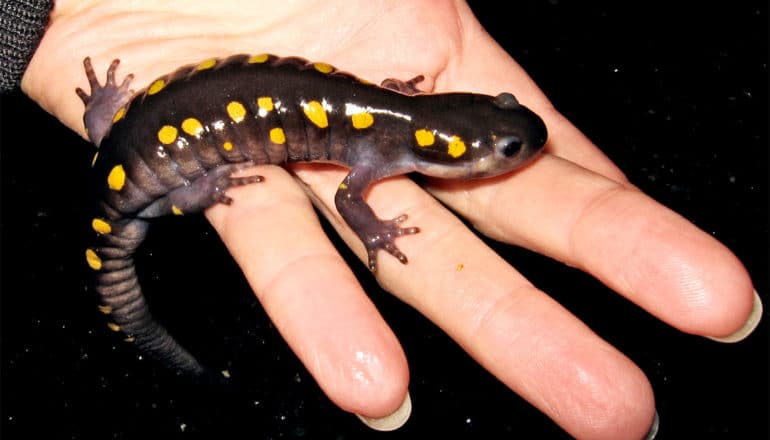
{"x": 171, "y": 149}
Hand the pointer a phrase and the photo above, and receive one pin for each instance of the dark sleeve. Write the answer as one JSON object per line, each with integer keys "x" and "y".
{"x": 22, "y": 24}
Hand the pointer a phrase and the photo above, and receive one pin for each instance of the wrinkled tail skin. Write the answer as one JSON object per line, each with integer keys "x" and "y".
{"x": 111, "y": 259}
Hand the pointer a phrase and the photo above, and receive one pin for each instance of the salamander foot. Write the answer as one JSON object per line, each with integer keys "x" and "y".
{"x": 382, "y": 237}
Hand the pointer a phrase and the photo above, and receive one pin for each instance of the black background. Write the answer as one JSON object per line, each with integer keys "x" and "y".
{"x": 678, "y": 98}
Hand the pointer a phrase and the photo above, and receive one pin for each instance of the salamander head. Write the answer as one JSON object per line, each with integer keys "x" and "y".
{"x": 516, "y": 136}
{"x": 490, "y": 136}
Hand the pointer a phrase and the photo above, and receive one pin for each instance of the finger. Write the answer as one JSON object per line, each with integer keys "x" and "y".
{"x": 489, "y": 69}
{"x": 311, "y": 295}
{"x": 639, "y": 248}
{"x": 524, "y": 338}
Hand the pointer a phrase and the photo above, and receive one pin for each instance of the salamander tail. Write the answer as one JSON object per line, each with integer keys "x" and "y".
{"x": 121, "y": 298}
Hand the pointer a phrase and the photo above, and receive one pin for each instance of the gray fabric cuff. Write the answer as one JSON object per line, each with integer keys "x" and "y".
{"x": 22, "y": 25}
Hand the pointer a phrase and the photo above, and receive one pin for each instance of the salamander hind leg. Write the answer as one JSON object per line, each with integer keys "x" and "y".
{"x": 105, "y": 102}
{"x": 203, "y": 192}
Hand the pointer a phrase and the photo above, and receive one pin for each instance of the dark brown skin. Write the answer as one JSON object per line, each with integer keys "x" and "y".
{"x": 142, "y": 173}
{"x": 587, "y": 214}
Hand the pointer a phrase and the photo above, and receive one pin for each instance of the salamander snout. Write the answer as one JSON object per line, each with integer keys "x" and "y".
{"x": 536, "y": 133}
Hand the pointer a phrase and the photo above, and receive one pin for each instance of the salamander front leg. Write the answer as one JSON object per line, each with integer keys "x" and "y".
{"x": 408, "y": 87}
{"x": 375, "y": 233}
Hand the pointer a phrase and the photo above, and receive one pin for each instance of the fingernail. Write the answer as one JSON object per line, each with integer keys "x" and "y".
{"x": 390, "y": 422}
{"x": 748, "y": 327}
{"x": 654, "y": 428}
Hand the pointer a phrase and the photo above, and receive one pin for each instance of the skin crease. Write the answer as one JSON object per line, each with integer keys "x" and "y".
{"x": 572, "y": 204}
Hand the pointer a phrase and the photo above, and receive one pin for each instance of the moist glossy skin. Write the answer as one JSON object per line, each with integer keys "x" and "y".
{"x": 172, "y": 147}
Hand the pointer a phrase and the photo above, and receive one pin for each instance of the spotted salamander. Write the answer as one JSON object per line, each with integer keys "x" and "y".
{"x": 172, "y": 149}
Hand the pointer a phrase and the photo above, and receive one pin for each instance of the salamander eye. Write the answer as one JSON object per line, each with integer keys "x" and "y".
{"x": 506, "y": 101}
{"x": 508, "y": 146}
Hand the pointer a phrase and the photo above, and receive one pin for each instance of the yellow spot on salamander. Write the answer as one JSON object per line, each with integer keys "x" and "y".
{"x": 119, "y": 115}
{"x": 323, "y": 67}
{"x": 261, "y": 58}
{"x": 156, "y": 86}
{"x": 362, "y": 120}
{"x": 236, "y": 111}
{"x": 314, "y": 111}
{"x": 265, "y": 103}
{"x": 460, "y": 267}
{"x": 114, "y": 327}
{"x": 207, "y": 64}
{"x": 424, "y": 137}
{"x": 228, "y": 146}
{"x": 343, "y": 186}
{"x": 105, "y": 309}
{"x": 117, "y": 178}
{"x": 456, "y": 147}
{"x": 175, "y": 209}
{"x": 129, "y": 339}
{"x": 93, "y": 260}
{"x": 101, "y": 226}
{"x": 93, "y": 161}
{"x": 277, "y": 135}
{"x": 167, "y": 134}
{"x": 192, "y": 126}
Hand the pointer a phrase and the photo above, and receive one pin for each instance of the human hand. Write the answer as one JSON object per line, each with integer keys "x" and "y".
{"x": 590, "y": 219}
